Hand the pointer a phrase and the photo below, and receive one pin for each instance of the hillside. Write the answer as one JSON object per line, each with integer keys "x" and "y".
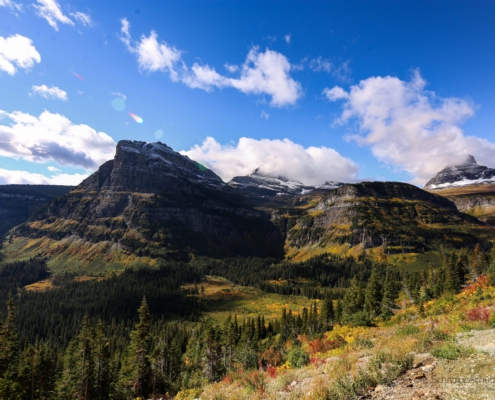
{"x": 149, "y": 202}
{"x": 19, "y": 202}
{"x": 391, "y": 216}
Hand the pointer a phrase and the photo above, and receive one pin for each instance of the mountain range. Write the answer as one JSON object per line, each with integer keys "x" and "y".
{"x": 151, "y": 202}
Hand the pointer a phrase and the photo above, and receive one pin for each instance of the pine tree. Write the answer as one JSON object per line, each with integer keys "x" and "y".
{"x": 326, "y": 314}
{"x": 373, "y": 294}
{"x": 353, "y": 301}
{"x": 102, "y": 369}
{"x": 37, "y": 372}
{"x": 78, "y": 380}
{"x": 9, "y": 355}
{"x": 389, "y": 295}
{"x": 135, "y": 373}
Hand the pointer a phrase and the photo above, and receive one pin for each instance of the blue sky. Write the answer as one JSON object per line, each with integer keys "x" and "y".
{"x": 315, "y": 91}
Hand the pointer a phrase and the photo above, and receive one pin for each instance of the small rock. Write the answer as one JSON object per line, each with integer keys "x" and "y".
{"x": 379, "y": 388}
{"x": 428, "y": 368}
{"x": 419, "y": 375}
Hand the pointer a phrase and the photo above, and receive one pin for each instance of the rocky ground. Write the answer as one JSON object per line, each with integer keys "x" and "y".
{"x": 462, "y": 379}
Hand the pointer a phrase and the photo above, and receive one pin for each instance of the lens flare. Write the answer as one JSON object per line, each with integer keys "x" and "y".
{"x": 136, "y": 118}
{"x": 159, "y": 134}
{"x": 118, "y": 104}
{"x": 78, "y": 76}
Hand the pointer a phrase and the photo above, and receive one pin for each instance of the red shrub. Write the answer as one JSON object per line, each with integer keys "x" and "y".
{"x": 478, "y": 314}
{"x": 272, "y": 372}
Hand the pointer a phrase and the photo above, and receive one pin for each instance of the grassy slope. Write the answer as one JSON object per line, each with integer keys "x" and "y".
{"x": 361, "y": 358}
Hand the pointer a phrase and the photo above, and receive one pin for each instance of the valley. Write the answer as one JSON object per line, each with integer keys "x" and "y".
{"x": 244, "y": 287}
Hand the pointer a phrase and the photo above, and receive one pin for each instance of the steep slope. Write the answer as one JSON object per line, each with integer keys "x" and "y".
{"x": 470, "y": 186}
{"x": 467, "y": 173}
{"x": 396, "y": 217}
{"x": 19, "y": 202}
{"x": 149, "y": 201}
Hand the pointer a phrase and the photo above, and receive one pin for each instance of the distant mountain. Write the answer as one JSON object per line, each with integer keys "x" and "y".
{"x": 149, "y": 201}
{"x": 467, "y": 173}
{"x": 470, "y": 186}
{"x": 259, "y": 184}
{"x": 19, "y": 202}
{"x": 398, "y": 217}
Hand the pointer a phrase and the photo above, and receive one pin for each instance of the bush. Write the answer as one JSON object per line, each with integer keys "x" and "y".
{"x": 478, "y": 314}
{"x": 451, "y": 351}
{"x": 408, "y": 330}
{"x": 297, "y": 358}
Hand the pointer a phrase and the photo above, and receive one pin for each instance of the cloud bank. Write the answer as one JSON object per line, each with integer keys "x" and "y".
{"x": 17, "y": 52}
{"x": 408, "y": 127}
{"x": 53, "y": 137}
{"x": 8, "y": 177}
{"x": 262, "y": 73}
{"x": 312, "y": 165}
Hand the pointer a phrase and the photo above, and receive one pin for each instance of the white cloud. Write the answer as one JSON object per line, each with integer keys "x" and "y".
{"x": 82, "y": 18}
{"x": 50, "y": 93}
{"x": 8, "y": 177}
{"x": 264, "y": 114}
{"x": 262, "y": 73}
{"x": 336, "y": 93}
{"x": 312, "y": 165}
{"x": 231, "y": 68}
{"x": 340, "y": 71}
{"x": 53, "y": 169}
{"x": 17, "y": 51}
{"x": 53, "y": 137}
{"x": 287, "y": 38}
{"x": 409, "y": 127}
{"x": 10, "y": 4}
{"x": 117, "y": 94}
{"x": 152, "y": 56}
{"x": 51, "y": 11}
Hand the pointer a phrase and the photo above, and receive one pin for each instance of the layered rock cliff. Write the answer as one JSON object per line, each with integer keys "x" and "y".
{"x": 151, "y": 201}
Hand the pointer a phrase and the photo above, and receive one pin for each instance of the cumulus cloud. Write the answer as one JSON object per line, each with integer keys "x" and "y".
{"x": 152, "y": 55}
{"x": 263, "y": 73}
{"x": 287, "y": 38}
{"x": 8, "y": 177}
{"x": 82, "y": 18}
{"x": 17, "y": 52}
{"x": 312, "y": 165}
{"x": 53, "y": 137}
{"x": 50, "y": 10}
{"x": 50, "y": 92}
{"x": 53, "y": 169}
{"x": 408, "y": 127}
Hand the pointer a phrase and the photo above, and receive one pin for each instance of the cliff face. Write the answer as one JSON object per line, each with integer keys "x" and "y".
{"x": 19, "y": 202}
{"x": 395, "y": 216}
{"x": 152, "y": 201}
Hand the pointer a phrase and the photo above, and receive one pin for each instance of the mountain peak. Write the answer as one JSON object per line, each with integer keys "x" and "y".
{"x": 470, "y": 160}
{"x": 467, "y": 173}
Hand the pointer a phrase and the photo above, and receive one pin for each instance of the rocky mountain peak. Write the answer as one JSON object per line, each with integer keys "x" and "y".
{"x": 467, "y": 173}
{"x": 148, "y": 168}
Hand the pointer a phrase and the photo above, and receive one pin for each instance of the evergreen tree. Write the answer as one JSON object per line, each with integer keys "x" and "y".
{"x": 78, "y": 379}
{"x": 389, "y": 295}
{"x": 326, "y": 314}
{"x": 135, "y": 373}
{"x": 9, "y": 355}
{"x": 373, "y": 294}
{"x": 37, "y": 372}
{"x": 353, "y": 301}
